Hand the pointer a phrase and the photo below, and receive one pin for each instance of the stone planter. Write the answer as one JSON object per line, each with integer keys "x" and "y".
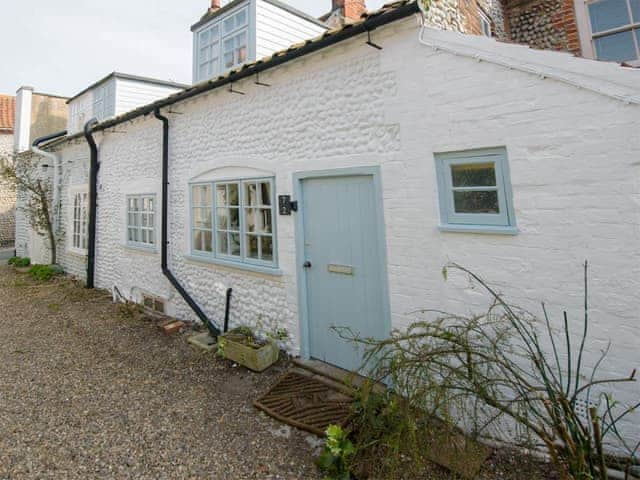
{"x": 257, "y": 358}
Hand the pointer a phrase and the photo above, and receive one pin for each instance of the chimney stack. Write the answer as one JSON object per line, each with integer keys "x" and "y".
{"x": 215, "y": 4}
{"x": 351, "y": 10}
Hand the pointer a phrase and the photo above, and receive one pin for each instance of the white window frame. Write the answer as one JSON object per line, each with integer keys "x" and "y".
{"x": 243, "y": 259}
{"x": 218, "y": 41}
{"x": 484, "y": 20}
{"x": 450, "y": 220}
{"x": 588, "y": 37}
{"x": 137, "y": 226}
{"x": 78, "y": 231}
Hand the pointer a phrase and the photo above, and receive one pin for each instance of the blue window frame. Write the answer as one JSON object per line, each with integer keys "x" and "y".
{"x": 475, "y": 191}
{"x": 234, "y": 221}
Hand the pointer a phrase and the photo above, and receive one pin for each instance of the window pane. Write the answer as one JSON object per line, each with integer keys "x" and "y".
{"x": 223, "y": 219}
{"x": 241, "y": 18}
{"x": 234, "y": 244}
{"x": 476, "y": 202}
{"x": 618, "y": 47}
{"x": 202, "y": 195}
{"x": 250, "y": 219}
{"x": 635, "y": 10}
{"x": 234, "y": 219}
{"x": 474, "y": 175}
{"x": 229, "y": 25}
{"x": 221, "y": 195}
{"x": 267, "y": 248}
{"x": 251, "y": 193}
{"x": 150, "y": 206}
{"x": 608, "y": 14}
{"x": 202, "y": 218}
{"x": 223, "y": 244}
{"x": 204, "y": 37}
{"x": 264, "y": 220}
{"x": 204, "y": 71}
{"x": 208, "y": 240}
{"x": 234, "y": 198}
{"x": 252, "y": 246}
{"x": 265, "y": 188}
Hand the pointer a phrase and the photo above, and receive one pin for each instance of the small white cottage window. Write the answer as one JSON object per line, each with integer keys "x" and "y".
{"x": 141, "y": 220}
{"x": 475, "y": 191}
{"x": 234, "y": 221}
{"x": 79, "y": 219}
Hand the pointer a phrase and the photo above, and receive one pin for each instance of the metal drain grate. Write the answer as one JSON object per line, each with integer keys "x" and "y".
{"x": 307, "y": 403}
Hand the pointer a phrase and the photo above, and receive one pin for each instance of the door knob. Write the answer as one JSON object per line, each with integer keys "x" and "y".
{"x": 307, "y": 264}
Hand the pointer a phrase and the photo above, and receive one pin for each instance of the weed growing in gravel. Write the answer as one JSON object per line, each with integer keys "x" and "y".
{"x": 44, "y": 273}
{"x": 54, "y": 307}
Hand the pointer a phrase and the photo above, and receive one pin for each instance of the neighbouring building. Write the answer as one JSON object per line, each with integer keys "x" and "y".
{"x": 7, "y": 191}
{"x": 329, "y": 183}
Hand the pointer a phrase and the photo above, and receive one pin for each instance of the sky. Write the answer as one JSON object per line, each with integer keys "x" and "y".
{"x": 61, "y": 47}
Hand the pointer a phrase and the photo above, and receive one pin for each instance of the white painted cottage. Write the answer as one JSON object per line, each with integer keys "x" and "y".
{"x": 423, "y": 148}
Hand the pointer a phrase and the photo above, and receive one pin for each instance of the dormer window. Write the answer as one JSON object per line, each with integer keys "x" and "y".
{"x": 223, "y": 45}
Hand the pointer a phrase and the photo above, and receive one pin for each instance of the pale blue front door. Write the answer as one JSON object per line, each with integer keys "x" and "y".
{"x": 345, "y": 275}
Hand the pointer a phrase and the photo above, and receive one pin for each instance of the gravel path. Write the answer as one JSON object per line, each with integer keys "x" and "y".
{"x": 89, "y": 393}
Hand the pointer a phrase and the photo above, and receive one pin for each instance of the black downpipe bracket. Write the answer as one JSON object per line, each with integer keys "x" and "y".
{"x": 93, "y": 201}
{"x": 213, "y": 330}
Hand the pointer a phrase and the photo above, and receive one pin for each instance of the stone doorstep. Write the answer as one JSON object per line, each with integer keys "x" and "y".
{"x": 204, "y": 341}
{"x": 344, "y": 379}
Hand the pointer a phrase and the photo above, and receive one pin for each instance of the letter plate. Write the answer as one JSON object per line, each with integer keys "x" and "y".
{"x": 341, "y": 269}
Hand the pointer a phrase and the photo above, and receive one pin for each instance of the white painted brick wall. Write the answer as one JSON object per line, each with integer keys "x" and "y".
{"x": 572, "y": 154}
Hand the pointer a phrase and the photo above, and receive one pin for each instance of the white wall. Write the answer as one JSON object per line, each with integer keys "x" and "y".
{"x": 131, "y": 94}
{"x": 277, "y": 29}
{"x": 574, "y": 170}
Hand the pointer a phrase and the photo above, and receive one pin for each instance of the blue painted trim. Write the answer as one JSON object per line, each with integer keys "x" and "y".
{"x": 276, "y": 272}
{"x": 475, "y": 222}
{"x": 303, "y": 307}
{"x": 484, "y": 229}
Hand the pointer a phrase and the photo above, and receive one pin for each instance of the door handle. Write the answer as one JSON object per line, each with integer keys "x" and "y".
{"x": 307, "y": 264}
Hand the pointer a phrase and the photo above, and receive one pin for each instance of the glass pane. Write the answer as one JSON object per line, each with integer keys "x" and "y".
{"x": 265, "y": 188}
{"x": 129, "y": 237}
{"x": 223, "y": 219}
{"x": 208, "y": 239}
{"x": 152, "y": 239}
{"x": 618, "y": 47}
{"x": 134, "y": 204}
{"x": 202, "y": 195}
{"x": 251, "y": 193}
{"x": 234, "y": 198}
{"x": 203, "y": 71}
{"x": 267, "y": 248}
{"x": 241, "y": 18}
{"x": 222, "y": 195}
{"x": 252, "y": 247}
{"x": 608, "y": 14}
{"x": 264, "y": 222}
{"x": 635, "y": 10}
{"x": 229, "y": 24}
{"x": 223, "y": 245}
{"x": 197, "y": 240}
{"x": 234, "y": 244}
{"x": 202, "y": 218}
{"x": 150, "y": 205}
{"x": 242, "y": 54}
{"x": 204, "y": 37}
{"x": 476, "y": 202}
{"x": 143, "y": 236}
{"x": 228, "y": 60}
{"x": 250, "y": 219}
{"x": 131, "y": 220}
{"x": 474, "y": 175}
{"x": 234, "y": 219}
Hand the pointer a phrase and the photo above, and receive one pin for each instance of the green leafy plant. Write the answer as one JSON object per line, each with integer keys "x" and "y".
{"x": 336, "y": 456}
{"x": 20, "y": 262}
{"x": 43, "y": 273}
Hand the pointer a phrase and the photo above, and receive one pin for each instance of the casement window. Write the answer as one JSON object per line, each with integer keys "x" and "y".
{"x": 234, "y": 221}
{"x": 615, "y": 29}
{"x": 79, "y": 221}
{"x": 223, "y": 45}
{"x": 141, "y": 220}
{"x": 475, "y": 191}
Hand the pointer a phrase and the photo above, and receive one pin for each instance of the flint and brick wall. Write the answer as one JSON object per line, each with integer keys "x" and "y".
{"x": 7, "y": 195}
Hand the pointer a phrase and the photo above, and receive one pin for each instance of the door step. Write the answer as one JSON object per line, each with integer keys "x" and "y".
{"x": 347, "y": 379}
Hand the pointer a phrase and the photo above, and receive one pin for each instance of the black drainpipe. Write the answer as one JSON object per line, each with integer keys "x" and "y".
{"x": 93, "y": 201}
{"x": 215, "y": 332}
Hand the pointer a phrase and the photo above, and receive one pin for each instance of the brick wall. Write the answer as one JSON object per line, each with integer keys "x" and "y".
{"x": 545, "y": 24}
{"x": 7, "y": 196}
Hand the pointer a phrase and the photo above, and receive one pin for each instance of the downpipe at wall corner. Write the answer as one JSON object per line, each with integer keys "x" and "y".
{"x": 213, "y": 330}
{"x": 93, "y": 200}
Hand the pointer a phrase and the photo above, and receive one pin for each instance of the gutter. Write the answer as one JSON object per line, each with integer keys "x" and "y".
{"x": 213, "y": 330}
{"x": 93, "y": 200}
{"x": 55, "y": 160}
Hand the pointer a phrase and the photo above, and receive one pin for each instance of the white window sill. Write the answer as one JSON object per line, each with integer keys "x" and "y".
{"x": 483, "y": 229}
{"x": 272, "y": 271}
{"x": 78, "y": 252}
{"x": 149, "y": 249}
